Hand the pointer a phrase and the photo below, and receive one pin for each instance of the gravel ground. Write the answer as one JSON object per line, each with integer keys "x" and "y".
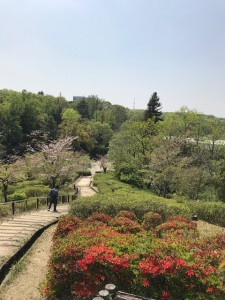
{"x": 25, "y": 285}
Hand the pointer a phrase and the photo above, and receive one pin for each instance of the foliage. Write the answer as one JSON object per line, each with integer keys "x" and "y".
{"x": 130, "y": 149}
{"x": 66, "y": 225}
{"x": 173, "y": 268}
{"x": 57, "y": 163}
{"x": 18, "y": 195}
{"x": 181, "y": 155}
{"x": 34, "y": 191}
{"x": 177, "y": 225}
{"x": 126, "y": 214}
{"x": 151, "y": 220}
{"x": 101, "y": 217}
{"x": 153, "y": 110}
{"x": 24, "y": 114}
{"x": 212, "y": 212}
{"x": 219, "y": 181}
{"x": 139, "y": 202}
{"x": 116, "y": 116}
{"x": 82, "y": 108}
{"x": 101, "y": 134}
{"x": 11, "y": 172}
{"x": 125, "y": 225}
{"x": 70, "y": 118}
{"x": 115, "y": 196}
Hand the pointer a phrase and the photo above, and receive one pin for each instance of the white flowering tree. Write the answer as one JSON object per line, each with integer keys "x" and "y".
{"x": 57, "y": 163}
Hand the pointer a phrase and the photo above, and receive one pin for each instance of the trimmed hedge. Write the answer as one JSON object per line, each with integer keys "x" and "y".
{"x": 111, "y": 204}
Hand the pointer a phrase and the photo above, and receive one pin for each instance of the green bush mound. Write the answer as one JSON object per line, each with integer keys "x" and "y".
{"x": 175, "y": 266}
{"x": 98, "y": 217}
{"x": 18, "y": 195}
{"x": 26, "y": 183}
{"x": 151, "y": 220}
{"x": 26, "y": 189}
{"x": 84, "y": 173}
{"x": 138, "y": 203}
{"x": 124, "y": 225}
{"x": 29, "y": 191}
{"x": 176, "y": 226}
{"x": 126, "y": 214}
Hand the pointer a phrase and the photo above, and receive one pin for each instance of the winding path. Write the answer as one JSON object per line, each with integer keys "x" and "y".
{"x": 84, "y": 183}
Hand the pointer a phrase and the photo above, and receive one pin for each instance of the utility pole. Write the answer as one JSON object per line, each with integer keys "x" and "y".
{"x": 134, "y": 103}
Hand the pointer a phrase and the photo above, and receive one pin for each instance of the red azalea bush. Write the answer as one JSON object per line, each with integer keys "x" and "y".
{"x": 127, "y": 214}
{"x": 178, "y": 226}
{"x": 164, "y": 269}
{"x": 151, "y": 220}
{"x": 66, "y": 224}
{"x": 87, "y": 259}
{"x": 99, "y": 217}
{"x": 125, "y": 225}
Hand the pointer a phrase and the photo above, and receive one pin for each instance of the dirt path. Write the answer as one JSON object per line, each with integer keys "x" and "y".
{"x": 25, "y": 285}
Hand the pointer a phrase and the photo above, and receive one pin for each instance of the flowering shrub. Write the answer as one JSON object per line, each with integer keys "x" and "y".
{"x": 151, "y": 220}
{"x": 178, "y": 226}
{"x": 86, "y": 259}
{"x": 65, "y": 225}
{"x": 192, "y": 278}
{"x": 104, "y": 218}
{"x": 127, "y": 214}
{"x": 165, "y": 269}
{"x": 125, "y": 225}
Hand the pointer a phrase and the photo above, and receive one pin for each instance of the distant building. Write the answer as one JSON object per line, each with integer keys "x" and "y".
{"x": 78, "y": 98}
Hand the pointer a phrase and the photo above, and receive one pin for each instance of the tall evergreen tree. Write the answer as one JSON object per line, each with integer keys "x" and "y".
{"x": 153, "y": 110}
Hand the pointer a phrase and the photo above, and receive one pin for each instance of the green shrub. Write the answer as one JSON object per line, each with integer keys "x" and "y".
{"x": 125, "y": 225}
{"x": 151, "y": 220}
{"x": 84, "y": 173}
{"x": 212, "y": 212}
{"x": 112, "y": 203}
{"x": 35, "y": 191}
{"x": 5, "y": 210}
{"x": 26, "y": 183}
{"x": 115, "y": 196}
{"x": 17, "y": 196}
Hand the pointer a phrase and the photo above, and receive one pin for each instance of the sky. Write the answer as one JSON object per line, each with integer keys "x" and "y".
{"x": 120, "y": 50}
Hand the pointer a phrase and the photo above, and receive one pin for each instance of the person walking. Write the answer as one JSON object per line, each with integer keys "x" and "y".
{"x": 53, "y": 199}
{"x": 76, "y": 190}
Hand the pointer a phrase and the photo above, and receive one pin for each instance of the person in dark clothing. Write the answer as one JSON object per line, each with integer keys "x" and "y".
{"x": 76, "y": 190}
{"x": 53, "y": 198}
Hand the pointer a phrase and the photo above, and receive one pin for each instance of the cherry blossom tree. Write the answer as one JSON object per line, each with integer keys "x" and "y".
{"x": 57, "y": 163}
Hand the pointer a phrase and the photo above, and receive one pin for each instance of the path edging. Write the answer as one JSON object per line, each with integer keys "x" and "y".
{"x": 5, "y": 268}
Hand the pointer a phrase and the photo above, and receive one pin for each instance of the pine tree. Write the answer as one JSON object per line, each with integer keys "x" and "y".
{"x": 153, "y": 110}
